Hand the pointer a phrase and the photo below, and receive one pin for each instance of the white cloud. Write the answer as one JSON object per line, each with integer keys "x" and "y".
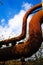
{"x": 14, "y": 26}
{"x": 3, "y": 20}
{"x": 26, "y": 6}
{"x": 16, "y": 20}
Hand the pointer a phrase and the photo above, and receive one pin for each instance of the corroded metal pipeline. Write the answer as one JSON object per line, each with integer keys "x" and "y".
{"x": 24, "y": 27}
{"x": 29, "y": 47}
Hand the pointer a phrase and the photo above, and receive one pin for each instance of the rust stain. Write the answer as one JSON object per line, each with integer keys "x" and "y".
{"x": 29, "y": 47}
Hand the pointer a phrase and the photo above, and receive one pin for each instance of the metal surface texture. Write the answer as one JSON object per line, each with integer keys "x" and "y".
{"x": 32, "y": 44}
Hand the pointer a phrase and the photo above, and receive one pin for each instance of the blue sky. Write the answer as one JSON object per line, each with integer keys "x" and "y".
{"x": 9, "y": 10}
{"x": 12, "y": 7}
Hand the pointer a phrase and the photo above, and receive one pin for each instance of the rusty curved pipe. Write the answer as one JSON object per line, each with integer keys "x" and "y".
{"x": 24, "y": 27}
{"x": 29, "y": 47}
